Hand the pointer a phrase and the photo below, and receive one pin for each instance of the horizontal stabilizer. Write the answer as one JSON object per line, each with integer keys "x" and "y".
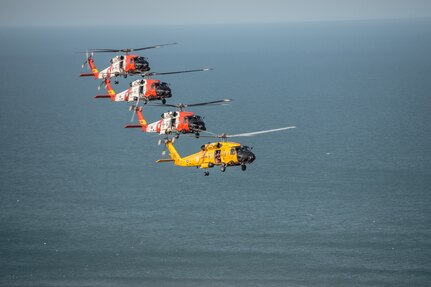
{"x": 132, "y": 126}
{"x": 87, "y": 75}
{"x": 164, "y": 160}
{"x": 102, "y": 97}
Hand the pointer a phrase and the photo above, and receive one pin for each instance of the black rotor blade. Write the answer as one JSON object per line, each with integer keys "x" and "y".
{"x": 178, "y": 72}
{"x": 181, "y": 106}
{"x": 129, "y": 50}
{"x": 221, "y": 102}
{"x": 201, "y": 136}
{"x": 161, "y": 105}
{"x": 104, "y": 50}
{"x": 153, "y": 47}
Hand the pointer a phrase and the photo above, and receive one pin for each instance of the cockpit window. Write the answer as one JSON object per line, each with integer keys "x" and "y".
{"x": 232, "y": 151}
{"x": 139, "y": 59}
{"x": 242, "y": 148}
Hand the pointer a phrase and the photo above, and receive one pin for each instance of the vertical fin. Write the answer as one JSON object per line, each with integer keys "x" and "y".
{"x": 172, "y": 151}
{"x": 94, "y": 70}
{"x": 141, "y": 118}
{"x": 110, "y": 90}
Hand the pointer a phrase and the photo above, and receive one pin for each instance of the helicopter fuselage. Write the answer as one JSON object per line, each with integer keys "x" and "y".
{"x": 213, "y": 154}
{"x": 180, "y": 122}
{"x": 121, "y": 65}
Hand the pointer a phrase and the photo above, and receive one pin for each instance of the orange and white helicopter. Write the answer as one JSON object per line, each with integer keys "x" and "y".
{"x": 121, "y": 65}
{"x": 144, "y": 89}
{"x": 221, "y": 153}
{"x": 177, "y": 122}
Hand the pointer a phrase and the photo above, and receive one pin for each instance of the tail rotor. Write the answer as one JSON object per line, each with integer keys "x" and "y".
{"x": 134, "y": 107}
{"x": 101, "y": 84}
{"x": 164, "y": 141}
{"x": 87, "y": 56}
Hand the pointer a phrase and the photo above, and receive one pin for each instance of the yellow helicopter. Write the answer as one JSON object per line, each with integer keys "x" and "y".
{"x": 221, "y": 153}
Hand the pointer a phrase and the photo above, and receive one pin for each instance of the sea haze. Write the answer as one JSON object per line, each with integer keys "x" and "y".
{"x": 343, "y": 200}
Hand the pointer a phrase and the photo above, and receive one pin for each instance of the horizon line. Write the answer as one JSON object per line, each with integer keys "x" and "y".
{"x": 214, "y": 24}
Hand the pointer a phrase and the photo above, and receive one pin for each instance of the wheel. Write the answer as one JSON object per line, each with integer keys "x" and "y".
{"x": 177, "y": 136}
{"x": 163, "y": 101}
{"x": 207, "y": 173}
{"x": 243, "y": 167}
{"x": 223, "y": 168}
{"x": 197, "y": 135}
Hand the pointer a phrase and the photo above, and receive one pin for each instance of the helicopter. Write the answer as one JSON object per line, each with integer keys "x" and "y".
{"x": 121, "y": 65}
{"x": 144, "y": 89}
{"x": 177, "y": 122}
{"x": 223, "y": 153}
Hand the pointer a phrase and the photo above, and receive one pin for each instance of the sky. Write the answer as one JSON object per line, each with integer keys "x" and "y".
{"x": 179, "y": 12}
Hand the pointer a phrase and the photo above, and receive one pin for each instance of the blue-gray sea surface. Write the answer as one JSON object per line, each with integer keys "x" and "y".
{"x": 343, "y": 200}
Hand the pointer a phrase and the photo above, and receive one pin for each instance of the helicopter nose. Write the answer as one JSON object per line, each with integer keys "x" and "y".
{"x": 245, "y": 156}
{"x": 200, "y": 126}
{"x": 250, "y": 157}
{"x": 164, "y": 92}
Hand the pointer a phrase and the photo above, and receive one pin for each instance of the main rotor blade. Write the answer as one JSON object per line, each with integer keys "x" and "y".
{"x": 129, "y": 50}
{"x": 181, "y": 106}
{"x": 221, "y": 102}
{"x": 104, "y": 50}
{"x": 258, "y": 132}
{"x": 177, "y": 72}
{"x": 162, "y": 105}
{"x": 153, "y": 47}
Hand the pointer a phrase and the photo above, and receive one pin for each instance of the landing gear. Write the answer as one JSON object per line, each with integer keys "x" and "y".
{"x": 197, "y": 135}
{"x": 207, "y": 173}
{"x": 223, "y": 168}
{"x": 243, "y": 167}
{"x": 163, "y": 101}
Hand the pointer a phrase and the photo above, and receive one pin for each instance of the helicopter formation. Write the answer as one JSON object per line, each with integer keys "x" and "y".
{"x": 143, "y": 92}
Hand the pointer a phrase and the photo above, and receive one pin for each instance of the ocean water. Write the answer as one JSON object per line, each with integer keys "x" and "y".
{"x": 343, "y": 200}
